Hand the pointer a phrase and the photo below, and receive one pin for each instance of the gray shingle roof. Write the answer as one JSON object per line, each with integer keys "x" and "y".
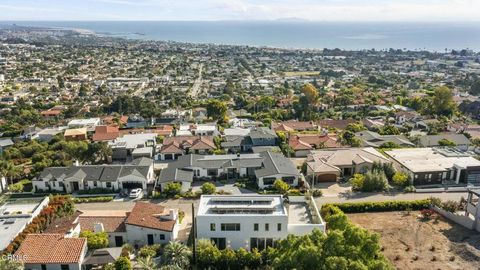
{"x": 276, "y": 163}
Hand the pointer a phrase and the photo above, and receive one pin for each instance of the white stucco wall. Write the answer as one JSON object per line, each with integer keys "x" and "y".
{"x": 138, "y": 235}
{"x": 238, "y": 239}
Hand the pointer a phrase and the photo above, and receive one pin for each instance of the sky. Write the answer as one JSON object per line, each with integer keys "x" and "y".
{"x": 193, "y": 10}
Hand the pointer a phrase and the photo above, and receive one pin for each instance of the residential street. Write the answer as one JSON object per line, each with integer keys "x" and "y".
{"x": 376, "y": 197}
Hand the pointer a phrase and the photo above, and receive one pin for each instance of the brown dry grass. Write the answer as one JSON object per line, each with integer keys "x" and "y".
{"x": 410, "y": 243}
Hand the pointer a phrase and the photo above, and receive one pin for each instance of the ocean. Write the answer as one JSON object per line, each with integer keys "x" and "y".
{"x": 291, "y": 34}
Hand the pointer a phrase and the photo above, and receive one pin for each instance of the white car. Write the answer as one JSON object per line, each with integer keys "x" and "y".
{"x": 135, "y": 193}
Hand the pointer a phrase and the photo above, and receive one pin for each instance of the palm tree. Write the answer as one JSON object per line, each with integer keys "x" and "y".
{"x": 176, "y": 254}
{"x": 147, "y": 263}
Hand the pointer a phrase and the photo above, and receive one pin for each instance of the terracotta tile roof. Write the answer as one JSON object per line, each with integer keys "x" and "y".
{"x": 63, "y": 225}
{"x": 202, "y": 144}
{"x": 302, "y": 141}
{"x": 149, "y": 215}
{"x": 105, "y": 133}
{"x": 51, "y": 249}
{"x": 110, "y": 223}
{"x": 172, "y": 148}
{"x": 293, "y": 125}
{"x": 338, "y": 124}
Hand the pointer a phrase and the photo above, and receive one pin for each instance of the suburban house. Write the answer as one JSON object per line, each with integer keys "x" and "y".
{"x": 294, "y": 125}
{"x": 137, "y": 121}
{"x": 197, "y": 129}
{"x": 5, "y": 143}
{"x": 105, "y": 134}
{"x": 335, "y": 124}
{"x": 115, "y": 121}
{"x": 373, "y": 139}
{"x": 138, "y": 174}
{"x": 427, "y": 166}
{"x": 102, "y": 256}
{"x": 89, "y": 123}
{"x": 134, "y": 146}
{"x": 173, "y": 147}
{"x": 302, "y": 144}
{"x": 254, "y": 221}
{"x": 52, "y": 113}
{"x": 460, "y": 140}
{"x": 52, "y": 252}
{"x": 110, "y": 222}
{"x": 265, "y": 167}
{"x": 149, "y": 224}
{"x": 262, "y": 136}
{"x": 237, "y": 144}
{"x": 46, "y": 135}
{"x": 330, "y": 164}
{"x": 403, "y": 117}
{"x": 75, "y": 134}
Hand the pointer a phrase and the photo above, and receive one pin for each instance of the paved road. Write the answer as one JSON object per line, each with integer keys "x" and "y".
{"x": 375, "y": 197}
{"x": 198, "y": 83}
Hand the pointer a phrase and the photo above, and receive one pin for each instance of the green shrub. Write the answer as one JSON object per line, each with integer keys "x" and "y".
{"x": 317, "y": 193}
{"x": 123, "y": 263}
{"x": 357, "y": 182}
{"x": 409, "y": 189}
{"x": 361, "y": 207}
{"x": 450, "y": 206}
{"x": 172, "y": 189}
{"x": 95, "y": 240}
{"x": 208, "y": 188}
{"x": 280, "y": 186}
{"x": 93, "y": 199}
{"x": 149, "y": 251}
{"x": 400, "y": 179}
{"x": 375, "y": 181}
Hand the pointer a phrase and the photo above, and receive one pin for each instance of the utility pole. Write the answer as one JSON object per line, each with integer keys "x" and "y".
{"x": 194, "y": 234}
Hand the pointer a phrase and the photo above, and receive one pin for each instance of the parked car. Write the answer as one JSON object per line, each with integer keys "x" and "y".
{"x": 135, "y": 193}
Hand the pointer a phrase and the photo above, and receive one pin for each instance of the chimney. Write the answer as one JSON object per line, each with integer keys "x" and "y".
{"x": 98, "y": 227}
{"x": 77, "y": 163}
{"x": 172, "y": 214}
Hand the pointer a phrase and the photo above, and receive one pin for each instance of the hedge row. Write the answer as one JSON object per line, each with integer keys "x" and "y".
{"x": 93, "y": 199}
{"x": 385, "y": 206}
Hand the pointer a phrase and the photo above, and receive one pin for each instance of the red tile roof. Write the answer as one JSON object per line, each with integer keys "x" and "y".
{"x": 105, "y": 133}
{"x": 51, "y": 249}
{"x": 150, "y": 215}
{"x": 110, "y": 223}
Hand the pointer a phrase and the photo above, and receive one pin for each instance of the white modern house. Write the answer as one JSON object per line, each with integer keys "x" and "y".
{"x": 254, "y": 221}
{"x": 89, "y": 123}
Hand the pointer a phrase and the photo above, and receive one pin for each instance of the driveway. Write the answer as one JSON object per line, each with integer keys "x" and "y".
{"x": 334, "y": 189}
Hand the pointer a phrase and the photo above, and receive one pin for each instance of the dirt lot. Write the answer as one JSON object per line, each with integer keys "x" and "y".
{"x": 411, "y": 243}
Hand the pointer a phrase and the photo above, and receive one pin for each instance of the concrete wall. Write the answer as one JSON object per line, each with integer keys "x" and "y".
{"x": 463, "y": 220}
{"x": 138, "y": 235}
{"x": 241, "y": 239}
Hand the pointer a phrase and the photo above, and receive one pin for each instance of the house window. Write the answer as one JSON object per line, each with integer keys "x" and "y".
{"x": 269, "y": 180}
{"x": 289, "y": 179}
{"x": 230, "y": 227}
{"x": 219, "y": 242}
{"x": 212, "y": 172}
{"x": 279, "y": 227}
{"x": 255, "y": 227}
{"x": 212, "y": 227}
{"x": 267, "y": 227}
{"x": 64, "y": 267}
{"x": 109, "y": 184}
{"x": 95, "y": 183}
{"x": 162, "y": 236}
{"x": 44, "y": 267}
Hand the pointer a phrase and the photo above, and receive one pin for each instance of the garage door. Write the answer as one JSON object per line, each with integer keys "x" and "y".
{"x": 131, "y": 185}
{"x": 327, "y": 178}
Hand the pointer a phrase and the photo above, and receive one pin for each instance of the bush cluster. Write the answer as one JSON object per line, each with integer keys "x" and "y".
{"x": 93, "y": 199}
{"x": 362, "y": 207}
{"x": 58, "y": 206}
{"x": 95, "y": 191}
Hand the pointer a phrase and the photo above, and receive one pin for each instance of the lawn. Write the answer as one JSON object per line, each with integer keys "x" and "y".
{"x": 412, "y": 243}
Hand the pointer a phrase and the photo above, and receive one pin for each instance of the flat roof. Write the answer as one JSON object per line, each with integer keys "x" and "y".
{"x": 241, "y": 205}
{"x": 432, "y": 159}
